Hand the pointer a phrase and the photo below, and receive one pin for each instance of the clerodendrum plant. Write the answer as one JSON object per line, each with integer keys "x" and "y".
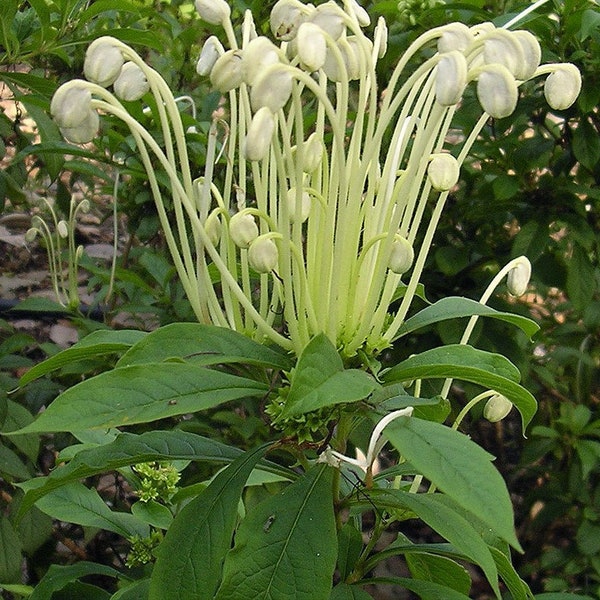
{"x": 314, "y": 213}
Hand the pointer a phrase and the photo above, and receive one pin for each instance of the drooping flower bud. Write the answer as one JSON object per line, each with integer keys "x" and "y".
{"x": 213, "y": 227}
{"x": 364, "y": 20}
{"x": 286, "y": 18}
{"x": 103, "y": 61}
{"x": 71, "y": 103}
{"x": 518, "y": 277}
{"x": 313, "y": 153}
{"x": 243, "y": 229}
{"x": 456, "y": 36}
{"x": 62, "y": 229}
{"x": 211, "y": 50}
{"x": 497, "y": 408}
{"x": 263, "y": 255}
{"x": 330, "y": 18}
{"x": 260, "y": 134}
{"x": 131, "y": 84}
{"x": 502, "y": 48}
{"x": 497, "y": 91}
{"x": 258, "y": 55}
{"x": 214, "y": 12}
{"x": 562, "y": 87}
{"x": 401, "y": 256}
{"x": 272, "y": 88}
{"x": 443, "y": 172}
{"x": 84, "y": 206}
{"x": 451, "y": 78}
{"x": 292, "y": 201}
{"x": 532, "y": 54}
{"x": 228, "y": 72}
{"x": 311, "y": 46}
{"x": 31, "y": 234}
{"x": 85, "y": 131}
{"x": 380, "y": 36}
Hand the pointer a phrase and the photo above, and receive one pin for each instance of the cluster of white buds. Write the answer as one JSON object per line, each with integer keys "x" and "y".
{"x": 334, "y": 180}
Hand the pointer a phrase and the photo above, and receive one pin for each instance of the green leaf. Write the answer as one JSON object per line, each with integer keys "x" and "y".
{"x": 319, "y": 380}
{"x": 455, "y": 307}
{"x": 130, "y": 449}
{"x": 586, "y": 144}
{"x": 10, "y": 552}
{"x": 11, "y": 466}
{"x": 439, "y": 569}
{"x": 449, "y": 523}
{"x": 426, "y": 590}
{"x": 286, "y": 546}
{"x": 97, "y": 343}
{"x": 343, "y": 591}
{"x": 492, "y": 371}
{"x": 44, "y": 86}
{"x": 518, "y": 589}
{"x": 136, "y": 591}
{"x": 458, "y": 467}
{"x": 141, "y": 394}
{"x": 101, "y": 6}
{"x": 57, "y": 577}
{"x": 350, "y": 546}
{"x": 153, "y": 513}
{"x": 203, "y": 345}
{"x": 74, "y": 503}
{"x": 190, "y": 558}
{"x": 580, "y": 278}
{"x": 18, "y": 416}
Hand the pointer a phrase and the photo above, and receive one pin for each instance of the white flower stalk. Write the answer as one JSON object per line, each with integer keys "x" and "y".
{"x": 340, "y": 178}
{"x": 103, "y": 61}
{"x": 131, "y": 84}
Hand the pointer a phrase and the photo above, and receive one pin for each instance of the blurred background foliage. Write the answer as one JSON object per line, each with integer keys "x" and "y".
{"x": 530, "y": 187}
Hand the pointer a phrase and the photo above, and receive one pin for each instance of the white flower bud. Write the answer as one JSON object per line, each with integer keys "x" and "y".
{"x": 213, "y": 227}
{"x": 443, "y": 172}
{"x": 272, "y": 88}
{"x": 260, "y": 134}
{"x": 286, "y": 18}
{"x": 364, "y": 20}
{"x": 292, "y": 202}
{"x": 496, "y": 408}
{"x": 456, "y": 36}
{"x": 258, "y": 55}
{"x": 330, "y": 18}
{"x": 518, "y": 277}
{"x": 79, "y": 252}
{"x": 131, "y": 84}
{"x": 228, "y": 72}
{"x": 532, "y": 54}
{"x": 311, "y": 46}
{"x": 380, "y": 35}
{"x": 497, "y": 91}
{"x": 502, "y": 48}
{"x": 103, "y": 61}
{"x": 31, "y": 234}
{"x": 401, "y": 256}
{"x": 562, "y": 87}
{"x": 211, "y": 50}
{"x": 84, "y": 132}
{"x": 313, "y": 153}
{"x": 71, "y": 103}
{"x": 62, "y": 229}
{"x": 263, "y": 255}
{"x": 84, "y": 206}
{"x": 451, "y": 78}
{"x": 351, "y": 51}
{"x": 243, "y": 229}
{"x": 214, "y": 12}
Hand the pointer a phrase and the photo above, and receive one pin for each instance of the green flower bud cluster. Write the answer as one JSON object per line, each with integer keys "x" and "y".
{"x": 142, "y": 549}
{"x": 410, "y": 10}
{"x": 157, "y": 481}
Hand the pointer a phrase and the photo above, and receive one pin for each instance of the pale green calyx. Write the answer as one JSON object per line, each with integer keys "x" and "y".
{"x": 215, "y": 12}
{"x": 443, "y": 171}
{"x": 263, "y": 254}
{"x": 562, "y": 86}
{"x": 497, "y": 408}
{"x": 402, "y": 255}
{"x": 497, "y": 91}
{"x": 518, "y": 277}
{"x": 103, "y": 61}
{"x": 131, "y": 84}
{"x": 260, "y": 134}
{"x": 228, "y": 72}
{"x": 243, "y": 229}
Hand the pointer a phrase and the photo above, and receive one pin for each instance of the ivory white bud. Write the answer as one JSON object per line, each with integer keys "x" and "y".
{"x": 131, "y": 84}
{"x": 258, "y": 55}
{"x": 228, "y": 72}
{"x": 380, "y": 35}
{"x": 31, "y": 234}
{"x": 103, "y": 61}
{"x": 497, "y": 408}
{"x": 263, "y": 255}
{"x": 62, "y": 229}
{"x": 213, "y": 227}
{"x": 401, "y": 256}
{"x": 451, "y": 78}
{"x": 456, "y": 36}
{"x": 313, "y": 153}
{"x": 364, "y": 20}
{"x": 272, "y": 88}
{"x": 330, "y": 18}
{"x": 84, "y": 132}
{"x": 292, "y": 202}
{"x": 214, "y": 12}
{"x": 518, "y": 277}
{"x": 502, "y": 48}
{"x": 260, "y": 134}
{"x": 497, "y": 91}
{"x": 311, "y": 46}
{"x": 84, "y": 206}
{"x": 443, "y": 172}
{"x": 243, "y": 229}
{"x": 211, "y": 50}
{"x": 286, "y": 18}
{"x": 71, "y": 103}
{"x": 532, "y": 54}
{"x": 562, "y": 87}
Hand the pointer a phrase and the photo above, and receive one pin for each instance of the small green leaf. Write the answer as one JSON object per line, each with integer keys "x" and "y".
{"x": 10, "y": 552}
{"x": 439, "y": 569}
{"x": 136, "y": 591}
{"x": 11, "y": 466}
{"x": 190, "y": 558}
{"x": 350, "y": 545}
{"x": 153, "y": 513}
{"x": 343, "y": 591}
{"x": 286, "y": 546}
{"x": 141, "y": 394}
{"x": 586, "y": 144}
{"x": 518, "y": 588}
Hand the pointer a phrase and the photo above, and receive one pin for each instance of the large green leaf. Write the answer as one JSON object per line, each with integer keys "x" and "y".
{"x": 286, "y": 546}
{"x": 454, "y": 307}
{"x": 458, "y": 361}
{"x": 343, "y": 591}
{"x": 190, "y": 558}
{"x": 519, "y": 590}
{"x": 74, "y": 503}
{"x": 426, "y": 590}
{"x": 97, "y": 343}
{"x": 319, "y": 380}
{"x": 10, "y": 552}
{"x": 141, "y": 394}
{"x": 459, "y": 467}
{"x": 439, "y": 569}
{"x": 129, "y": 449}
{"x": 135, "y": 591}
{"x": 203, "y": 345}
